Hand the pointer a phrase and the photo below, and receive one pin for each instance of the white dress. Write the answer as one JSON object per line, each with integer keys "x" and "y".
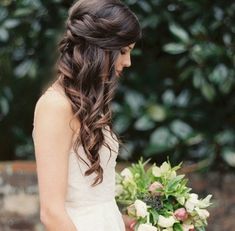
{"x": 94, "y": 208}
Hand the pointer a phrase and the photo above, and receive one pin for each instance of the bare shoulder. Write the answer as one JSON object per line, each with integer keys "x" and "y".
{"x": 52, "y": 100}
{"x": 54, "y": 104}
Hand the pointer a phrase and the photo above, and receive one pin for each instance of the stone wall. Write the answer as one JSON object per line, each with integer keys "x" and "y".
{"x": 19, "y": 203}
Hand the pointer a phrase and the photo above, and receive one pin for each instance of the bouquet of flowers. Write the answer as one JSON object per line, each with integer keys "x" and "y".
{"x": 159, "y": 199}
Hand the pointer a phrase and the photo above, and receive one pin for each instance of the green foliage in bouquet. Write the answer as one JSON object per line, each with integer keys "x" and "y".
{"x": 159, "y": 199}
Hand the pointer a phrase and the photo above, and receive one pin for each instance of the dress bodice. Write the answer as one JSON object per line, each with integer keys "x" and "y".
{"x": 80, "y": 192}
{"x": 94, "y": 208}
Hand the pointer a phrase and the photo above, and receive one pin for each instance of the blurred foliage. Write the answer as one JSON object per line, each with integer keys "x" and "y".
{"x": 177, "y": 100}
{"x": 28, "y": 34}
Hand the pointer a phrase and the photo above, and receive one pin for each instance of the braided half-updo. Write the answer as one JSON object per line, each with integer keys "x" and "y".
{"x": 96, "y": 30}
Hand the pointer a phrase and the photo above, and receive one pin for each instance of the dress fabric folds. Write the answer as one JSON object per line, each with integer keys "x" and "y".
{"x": 94, "y": 208}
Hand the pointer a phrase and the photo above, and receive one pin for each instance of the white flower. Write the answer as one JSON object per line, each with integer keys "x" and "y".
{"x": 127, "y": 174}
{"x": 187, "y": 227}
{"x": 146, "y": 227}
{"x": 205, "y": 202}
{"x": 173, "y": 175}
{"x": 202, "y": 213}
{"x": 165, "y": 167}
{"x": 191, "y": 202}
{"x": 166, "y": 222}
{"x": 181, "y": 200}
{"x": 118, "y": 189}
{"x": 141, "y": 208}
{"x": 156, "y": 171}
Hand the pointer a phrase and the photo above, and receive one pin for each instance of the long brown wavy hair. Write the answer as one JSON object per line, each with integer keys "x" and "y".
{"x": 96, "y": 30}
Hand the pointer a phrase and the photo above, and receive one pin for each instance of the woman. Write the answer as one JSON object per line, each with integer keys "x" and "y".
{"x": 75, "y": 146}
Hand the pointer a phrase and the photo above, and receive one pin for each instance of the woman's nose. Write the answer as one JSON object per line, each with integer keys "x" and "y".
{"x": 127, "y": 61}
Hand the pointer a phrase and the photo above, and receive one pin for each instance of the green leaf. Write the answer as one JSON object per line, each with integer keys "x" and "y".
{"x": 219, "y": 74}
{"x": 229, "y": 156}
{"x": 144, "y": 123}
{"x": 145, "y": 6}
{"x": 136, "y": 52}
{"x": 131, "y": 2}
{"x": 22, "y": 12}
{"x": 177, "y": 227}
{"x": 4, "y": 106}
{"x": 168, "y": 205}
{"x": 181, "y": 129}
{"x": 225, "y": 137}
{"x": 135, "y": 101}
{"x": 154, "y": 216}
{"x": 151, "y": 21}
{"x": 4, "y": 35}
{"x": 174, "y": 48}
{"x": 200, "y": 228}
{"x": 172, "y": 184}
{"x": 163, "y": 139}
{"x": 11, "y": 23}
{"x": 125, "y": 153}
{"x": 208, "y": 91}
{"x": 197, "y": 28}
{"x": 179, "y": 32}
{"x": 168, "y": 97}
{"x": 156, "y": 112}
{"x": 153, "y": 149}
{"x": 196, "y": 53}
{"x": 121, "y": 123}
{"x": 182, "y": 99}
{"x": 3, "y": 13}
{"x": 227, "y": 85}
{"x": 23, "y": 68}
{"x": 198, "y": 79}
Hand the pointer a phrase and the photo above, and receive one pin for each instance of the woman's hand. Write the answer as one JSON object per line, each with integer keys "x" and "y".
{"x": 129, "y": 222}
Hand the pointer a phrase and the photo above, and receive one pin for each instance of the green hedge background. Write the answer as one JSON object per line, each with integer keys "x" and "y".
{"x": 177, "y": 99}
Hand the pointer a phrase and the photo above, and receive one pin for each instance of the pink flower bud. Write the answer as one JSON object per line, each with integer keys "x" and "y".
{"x": 192, "y": 229}
{"x": 181, "y": 214}
{"x": 155, "y": 186}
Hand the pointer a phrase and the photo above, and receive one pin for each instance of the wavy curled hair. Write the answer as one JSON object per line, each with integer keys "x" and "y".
{"x": 96, "y": 30}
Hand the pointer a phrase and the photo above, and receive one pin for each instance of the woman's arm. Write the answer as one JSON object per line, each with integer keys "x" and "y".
{"x": 52, "y": 141}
